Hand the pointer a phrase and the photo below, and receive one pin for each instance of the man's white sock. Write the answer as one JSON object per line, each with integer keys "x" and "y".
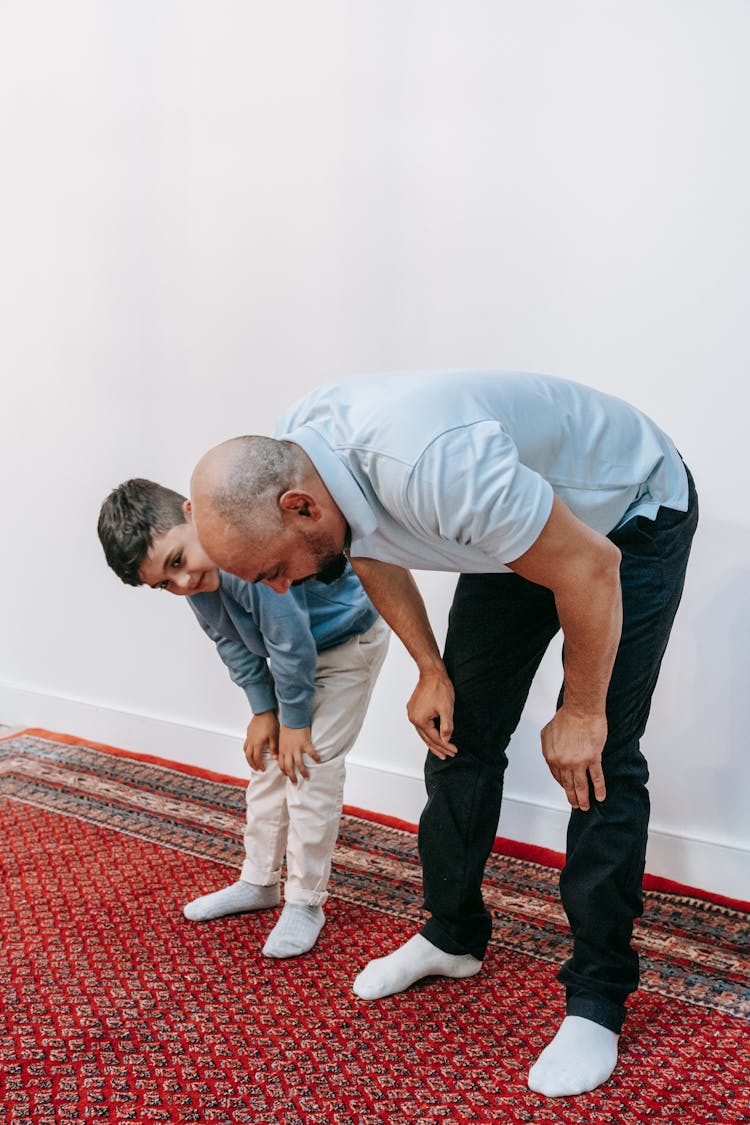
{"x": 235, "y": 899}
{"x": 409, "y": 963}
{"x": 582, "y": 1055}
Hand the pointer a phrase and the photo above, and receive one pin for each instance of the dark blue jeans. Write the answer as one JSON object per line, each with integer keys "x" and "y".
{"x": 500, "y": 626}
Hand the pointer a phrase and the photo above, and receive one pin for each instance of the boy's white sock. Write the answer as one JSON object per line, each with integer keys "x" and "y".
{"x": 234, "y": 899}
{"x": 582, "y": 1055}
{"x": 416, "y": 959}
{"x": 296, "y": 931}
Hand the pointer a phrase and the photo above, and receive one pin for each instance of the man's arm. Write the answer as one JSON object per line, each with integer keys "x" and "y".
{"x": 582, "y": 568}
{"x": 393, "y": 592}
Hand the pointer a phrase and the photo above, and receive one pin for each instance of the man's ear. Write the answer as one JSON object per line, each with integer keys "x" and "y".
{"x": 297, "y": 503}
{"x": 187, "y": 511}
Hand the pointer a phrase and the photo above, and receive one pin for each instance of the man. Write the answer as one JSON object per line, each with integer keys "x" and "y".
{"x": 560, "y": 507}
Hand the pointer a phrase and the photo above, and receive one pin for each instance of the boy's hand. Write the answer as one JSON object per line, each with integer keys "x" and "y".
{"x": 293, "y": 744}
{"x": 262, "y": 737}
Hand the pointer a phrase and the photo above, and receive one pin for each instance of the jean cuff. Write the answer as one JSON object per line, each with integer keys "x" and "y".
{"x": 597, "y": 1009}
{"x": 433, "y": 932}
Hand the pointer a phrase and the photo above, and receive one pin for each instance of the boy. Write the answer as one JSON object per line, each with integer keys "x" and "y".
{"x": 307, "y": 662}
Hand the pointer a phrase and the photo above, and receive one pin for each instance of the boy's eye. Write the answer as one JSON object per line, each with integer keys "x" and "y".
{"x": 176, "y": 561}
{"x": 163, "y": 585}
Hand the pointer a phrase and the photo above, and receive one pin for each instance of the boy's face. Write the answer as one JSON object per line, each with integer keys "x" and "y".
{"x": 177, "y": 562}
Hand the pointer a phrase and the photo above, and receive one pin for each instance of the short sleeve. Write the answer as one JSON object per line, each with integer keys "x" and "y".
{"x": 469, "y": 487}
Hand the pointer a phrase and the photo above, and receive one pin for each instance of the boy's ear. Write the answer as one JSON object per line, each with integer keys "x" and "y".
{"x": 187, "y": 511}
{"x": 295, "y": 502}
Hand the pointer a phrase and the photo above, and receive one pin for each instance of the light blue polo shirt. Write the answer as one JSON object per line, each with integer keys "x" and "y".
{"x": 457, "y": 470}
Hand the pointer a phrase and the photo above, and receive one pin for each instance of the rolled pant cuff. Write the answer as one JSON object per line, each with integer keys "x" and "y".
{"x": 259, "y": 876}
{"x": 598, "y": 1010}
{"x": 300, "y": 897}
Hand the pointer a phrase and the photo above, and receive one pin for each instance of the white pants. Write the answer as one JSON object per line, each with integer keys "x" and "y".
{"x": 303, "y": 819}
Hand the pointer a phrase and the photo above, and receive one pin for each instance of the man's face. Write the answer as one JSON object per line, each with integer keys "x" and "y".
{"x": 178, "y": 563}
{"x": 282, "y": 560}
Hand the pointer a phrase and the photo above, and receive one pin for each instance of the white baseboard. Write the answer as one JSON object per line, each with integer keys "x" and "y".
{"x": 717, "y": 868}
{"x": 709, "y": 865}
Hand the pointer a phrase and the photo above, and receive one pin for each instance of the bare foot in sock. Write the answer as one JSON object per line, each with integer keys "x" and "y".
{"x": 296, "y": 931}
{"x": 416, "y": 959}
{"x": 582, "y": 1055}
{"x": 235, "y": 899}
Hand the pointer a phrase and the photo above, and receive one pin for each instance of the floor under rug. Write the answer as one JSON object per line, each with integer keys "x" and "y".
{"x": 114, "y": 1008}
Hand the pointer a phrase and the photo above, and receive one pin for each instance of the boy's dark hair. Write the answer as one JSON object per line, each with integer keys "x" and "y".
{"x": 130, "y": 517}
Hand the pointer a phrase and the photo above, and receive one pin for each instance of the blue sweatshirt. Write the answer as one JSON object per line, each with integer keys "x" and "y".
{"x": 269, "y": 641}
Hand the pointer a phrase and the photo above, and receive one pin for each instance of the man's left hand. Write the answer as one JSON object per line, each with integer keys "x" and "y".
{"x": 572, "y": 746}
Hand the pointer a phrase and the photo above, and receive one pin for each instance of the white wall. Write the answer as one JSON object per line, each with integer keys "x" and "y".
{"x": 206, "y": 209}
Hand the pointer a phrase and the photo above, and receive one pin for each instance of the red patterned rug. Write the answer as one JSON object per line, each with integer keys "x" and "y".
{"x": 115, "y": 1008}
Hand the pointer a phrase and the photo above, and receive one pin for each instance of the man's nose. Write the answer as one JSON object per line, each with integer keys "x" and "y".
{"x": 184, "y": 581}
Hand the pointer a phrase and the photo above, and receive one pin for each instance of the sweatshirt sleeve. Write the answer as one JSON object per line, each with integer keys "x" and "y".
{"x": 246, "y": 669}
{"x": 284, "y": 623}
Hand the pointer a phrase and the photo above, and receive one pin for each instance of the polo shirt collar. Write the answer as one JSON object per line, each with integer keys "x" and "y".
{"x": 339, "y": 481}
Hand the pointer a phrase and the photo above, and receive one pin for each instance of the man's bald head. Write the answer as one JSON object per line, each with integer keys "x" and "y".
{"x": 263, "y": 513}
{"x": 241, "y": 480}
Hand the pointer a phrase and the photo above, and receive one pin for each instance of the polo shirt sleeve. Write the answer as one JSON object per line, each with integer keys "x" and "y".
{"x": 470, "y": 487}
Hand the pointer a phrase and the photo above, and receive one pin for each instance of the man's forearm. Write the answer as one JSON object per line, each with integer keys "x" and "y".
{"x": 582, "y": 569}
{"x": 591, "y": 624}
{"x": 394, "y": 593}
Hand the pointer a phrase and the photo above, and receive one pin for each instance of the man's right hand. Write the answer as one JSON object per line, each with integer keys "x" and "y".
{"x": 262, "y": 736}
{"x": 430, "y": 709}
